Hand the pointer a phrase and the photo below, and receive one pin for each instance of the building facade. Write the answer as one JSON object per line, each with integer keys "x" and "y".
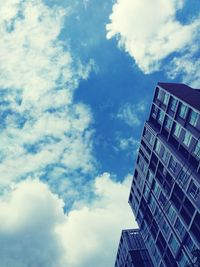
{"x": 132, "y": 251}
{"x": 165, "y": 191}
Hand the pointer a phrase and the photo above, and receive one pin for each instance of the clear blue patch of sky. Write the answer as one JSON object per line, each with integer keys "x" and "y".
{"x": 190, "y": 10}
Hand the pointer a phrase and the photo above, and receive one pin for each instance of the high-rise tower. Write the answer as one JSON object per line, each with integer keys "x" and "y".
{"x": 165, "y": 191}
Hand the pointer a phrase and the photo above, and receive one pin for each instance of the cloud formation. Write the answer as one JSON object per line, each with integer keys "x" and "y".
{"x": 34, "y": 230}
{"x": 131, "y": 114}
{"x": 40, "y": 124}
{"x": 149, "y": 31}
{"x": 128, "y": 144}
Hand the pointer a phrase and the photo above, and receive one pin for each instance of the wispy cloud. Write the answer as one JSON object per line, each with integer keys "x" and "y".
{"x": 186, "y": 66}
{"x": 131, "y": 114}
{"x": 130, "y": 144}
{"x": 150, "y": 32}
{"x": 33, "y": 215}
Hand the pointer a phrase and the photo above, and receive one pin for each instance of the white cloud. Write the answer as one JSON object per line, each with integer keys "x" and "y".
{"x": 29, "y": 217}
{"x": 38, "y": 75}
{"x": 131, "y": 114}
{"x": 188, "y": 67}
{"x": 34, "y": 231}
{"x": 149, "y": 31}
{"x": 128, "y": 144}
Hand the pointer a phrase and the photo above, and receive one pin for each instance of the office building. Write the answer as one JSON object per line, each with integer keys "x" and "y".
{"x": 132, "y": 251}
{"x": 165, "y": 191}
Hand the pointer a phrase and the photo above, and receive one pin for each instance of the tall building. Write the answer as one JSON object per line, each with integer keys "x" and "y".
{"x": 165, "y": 191}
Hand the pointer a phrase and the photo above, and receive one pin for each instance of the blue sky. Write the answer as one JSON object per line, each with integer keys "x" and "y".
{"x": 77, "y": 79}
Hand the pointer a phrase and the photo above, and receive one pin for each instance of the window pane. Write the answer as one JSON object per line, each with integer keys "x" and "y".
{"x": 165, "y": 156}
{"x": 194, "y": 116}
{"x": 177, "y": 130}
{"x": 172, "y": 164}
{"x": 183, "y": 111}
{"x": 173, "y": 244}
{"x": 165, "y": 228}
{"x": 180, "y": 228}
{"x": 173, "y": 104}
{"x": 160, "y": 95}
{"x": 162, "y": 199}
{"x": 149, "y": 137}
{"x": 187, "y": 139}
{"x": 183, "y": 178}
{"x": 158, "y": 146}
{"x": 168, "y": 123}
{"x": 171, "y": 213}
{"x": 156, "y": 188}
{"x": 194, "y": 190}
{"x": 161, "y": 116}
{"x": 154, "y": 112}
{"x": 150, "y": 177}
{"x": 146, "y": 191}
{"x": 166, "y": 98}
{"x": 182, "y": 260}
{"x": 197, "y": 149}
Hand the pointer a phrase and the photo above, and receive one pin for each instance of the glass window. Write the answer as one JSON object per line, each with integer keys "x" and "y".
{"x": 177, "y": 130}
{"x": 166, "y": 99}
{"x": 194, "y": 190}
{"x": 161, "y": 116}
{"x": 189, "y": 244}
{"x": 162, "y": 199}
{"x": 150, "y": 177}
{"x": 172, "y": 164}
{"x": 146, "y": 191}
{"x": 183, "y": 178}
{"x": 164, "y": 171}
{"x": 171, "y": 213}
{"x": 187, "y": 139}
{"x": 140, "y": 182}
{"x": 165, "y": 228}
{"x": 158, "y": 146}
{"x": 142, "y": 164}
{"x": 152, "y": 203}
{"x": 194, "y": 116}
{"x": 158, "y": 214}
{"x": 173, "y": 104}
{"x": 156, "y": 255}
{"x": 160, "y": 95}
{"x": 156, "y": 188}
{"x": 155, "y": 111}
{"x": 197, "y": 149}
{"x": 173, "y": 244}
{"x": 183, "y": 111}
{"x": 149, "y": 137}
{"x": 182, "y": 260}
{"x": 180, "y": 228}
{"x": 166, "y": 156}
{"x": 168, "y": 123}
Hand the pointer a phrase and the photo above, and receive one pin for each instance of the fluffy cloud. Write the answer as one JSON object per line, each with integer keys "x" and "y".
{"x": 34, "y": 230}
{"x": 40, "y": 124}
{"x": 149, "y": 31}
{"x": 29, "y": 217}
{"x": 131, "y": 114}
